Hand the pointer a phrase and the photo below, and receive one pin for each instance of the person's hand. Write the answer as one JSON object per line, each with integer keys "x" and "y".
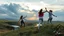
{"x": 46, "y": 9}
{"x": 55, "y": 16}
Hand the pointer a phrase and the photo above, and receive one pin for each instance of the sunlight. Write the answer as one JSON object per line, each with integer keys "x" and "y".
{"x": 36, "y": 6}
{"x": 32, "y": 18}
{"x": 44, "y": 4}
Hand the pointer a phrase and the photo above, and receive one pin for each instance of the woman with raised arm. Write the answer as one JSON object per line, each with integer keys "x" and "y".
{"x": 22, "y": 21}
{"x": 50, "y": 16}
{"x": 41, "y": 14}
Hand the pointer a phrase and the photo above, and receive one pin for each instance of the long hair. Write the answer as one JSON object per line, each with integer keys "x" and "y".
{"x": 40, "y": 11}
{"x": 21, "y": 17}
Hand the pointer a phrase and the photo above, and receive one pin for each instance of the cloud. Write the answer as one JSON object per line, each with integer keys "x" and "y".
{"x": 55, "y": 2}
{"x": 38, "y": 5}
{"x": 9, "y": 9}
{"x": 16, "y": 9}
{"x": 12, "y": 7}
{"x": 13, "y": 10}
{"x": 60, "y": 13}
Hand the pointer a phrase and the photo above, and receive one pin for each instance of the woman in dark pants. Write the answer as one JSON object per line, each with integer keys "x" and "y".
{"x": 22, "y": 21}
{"x": 50, "y": 16}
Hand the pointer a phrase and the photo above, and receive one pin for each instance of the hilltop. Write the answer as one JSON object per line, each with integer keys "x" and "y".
{"x": 30, "y": 30}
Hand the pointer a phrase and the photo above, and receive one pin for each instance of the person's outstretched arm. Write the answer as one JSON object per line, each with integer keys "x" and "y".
{"x": 54, "y": 15}
{"x": 24, "y": 17}
{"x": 46, "y": 9}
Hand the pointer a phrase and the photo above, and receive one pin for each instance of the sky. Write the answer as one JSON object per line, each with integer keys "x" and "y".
{"x": 13, "y": 9}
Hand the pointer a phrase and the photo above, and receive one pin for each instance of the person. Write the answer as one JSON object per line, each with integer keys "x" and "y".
{"x": 41, "y": 14}
{"x": 22, "y": 21}
{"x": 50, "y": 16}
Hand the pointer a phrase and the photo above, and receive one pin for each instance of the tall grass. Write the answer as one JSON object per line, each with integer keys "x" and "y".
{"x": 45, "y": 30}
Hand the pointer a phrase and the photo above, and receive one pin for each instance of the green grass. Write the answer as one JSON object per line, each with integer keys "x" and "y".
{"x": 45, "y": 30}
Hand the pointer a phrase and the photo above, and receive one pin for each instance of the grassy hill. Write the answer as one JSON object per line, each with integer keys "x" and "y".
{"x": 30, "y": 30}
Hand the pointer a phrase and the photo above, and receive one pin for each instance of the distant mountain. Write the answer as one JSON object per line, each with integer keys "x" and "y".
{"x": 35, "y": 10}
{"x": 8, "y": 19}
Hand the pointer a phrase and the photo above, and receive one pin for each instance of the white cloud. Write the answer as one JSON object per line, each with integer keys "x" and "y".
{"x": 27, "y": 8}
{"x": 38, "y": 5}
{"x": 3, "y": 2}
{"x": 55, "y": 7}
{"x": 57, "y": 2}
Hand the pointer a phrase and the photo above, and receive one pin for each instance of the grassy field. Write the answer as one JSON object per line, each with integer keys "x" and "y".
{"x": 30, "y": 29}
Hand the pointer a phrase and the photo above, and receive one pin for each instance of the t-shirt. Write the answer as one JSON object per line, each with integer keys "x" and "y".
{"x": 41, "y": 15}
{"x": 50, "y": 14}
